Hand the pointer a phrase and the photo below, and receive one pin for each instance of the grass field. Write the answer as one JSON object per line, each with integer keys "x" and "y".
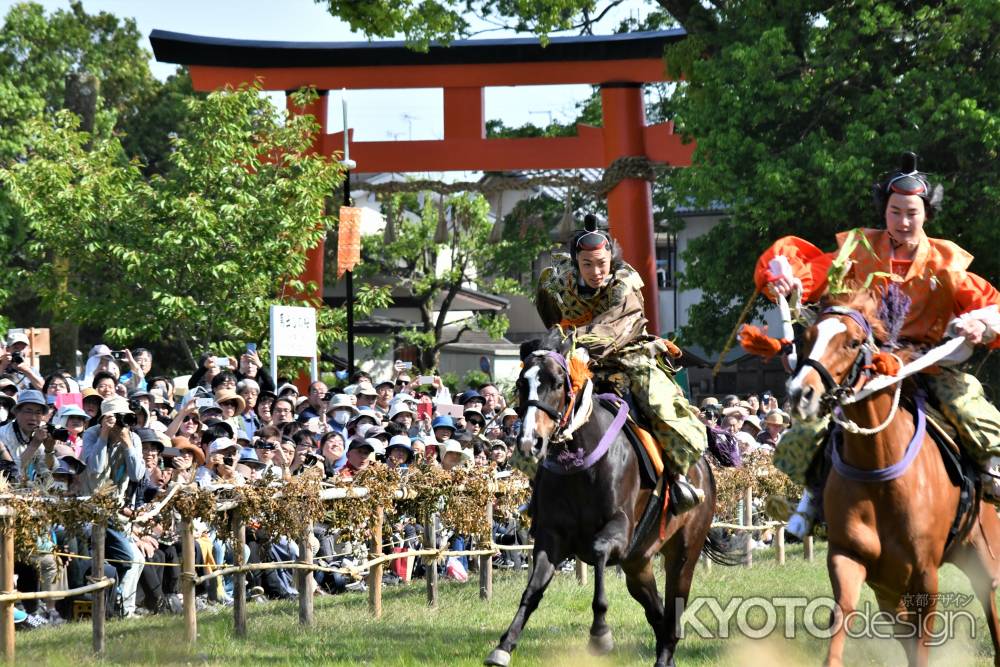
{"x": 464, "y": 629}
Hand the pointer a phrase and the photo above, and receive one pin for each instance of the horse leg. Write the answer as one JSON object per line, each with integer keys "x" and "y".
{"x": 680, "y": 558}
{"x": 983, "y": 569}
{"x": 846, "y": 575}
{"x": 546, "y": 555}
{"x": 922, "y": 616}
{"x": 608, "y": 540}
{"x": 641, "y": 584}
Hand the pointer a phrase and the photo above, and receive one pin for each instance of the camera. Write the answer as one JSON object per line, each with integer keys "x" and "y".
{"x": 328, "y": 396}
{"x": 57, "y": 432}
{"x": 119, "y": 355}
{"x": 265, "y": 445}
{"x": 228, "y": 460}
{"x": 123, "y": 420}
{"x": 16, "y": 358}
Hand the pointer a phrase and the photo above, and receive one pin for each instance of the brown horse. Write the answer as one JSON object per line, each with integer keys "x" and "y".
{"x": 889, "y": 503}
{"x": 592, "y": 510}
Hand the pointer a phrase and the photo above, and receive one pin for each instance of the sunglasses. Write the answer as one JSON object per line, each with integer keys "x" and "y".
{"x": 192, "y": 418}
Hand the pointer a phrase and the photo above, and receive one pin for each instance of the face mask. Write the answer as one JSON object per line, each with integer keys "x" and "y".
{"x": 361, "y": 430}
{"x": 3, "y": 414}
{"x": 341, "y": 416}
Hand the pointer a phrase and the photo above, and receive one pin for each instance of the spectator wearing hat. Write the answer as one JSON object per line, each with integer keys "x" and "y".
{"x": 111, "y": 449}
{"x": 249, "y": 391}
{"x": 443, "y": 427}
{"x": 232, "y": 406}
{"x": 399, "y": 452}
{"x": 26, "y": 442}
{"x": 220, "y": 464}
{"x": 340, "y": 411}
{"x": 385, "y": 391}
{"x": 454, "y": 456}
{"x": 188, "y": 459}
{"x": 359, "y": 453}
{"x": 15, "y": 360}
{"x": 402, "y": 414}
{"x": 472, "y": 399}
{"x": 74, "y": 420}
{"x": 475, "y": 425}
{"x": 774, "y": 426}
{"x": 500, "y": 454}
{"x": 365, "y": 394}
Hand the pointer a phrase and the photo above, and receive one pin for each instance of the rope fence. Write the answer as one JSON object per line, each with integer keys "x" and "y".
{"x": 371, "y": 569}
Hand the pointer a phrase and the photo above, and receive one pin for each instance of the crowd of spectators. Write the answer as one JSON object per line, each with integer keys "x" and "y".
{"x": 226, "y": 424}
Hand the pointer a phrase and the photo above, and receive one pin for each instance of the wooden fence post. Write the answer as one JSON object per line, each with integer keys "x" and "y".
{"x": 581, "y": 572}
{"x": 240, "y": 578}
{"x": 97, "y": 609}
{"x": 375, "y": 572}
{"x": 486, "y": 560}
{"x": 748, "y": 521}
{"x": 306, "y": 576}
{"x": 7, "y": 584}
{"x": 430, "y": 562}
{"x": 807, "y": 548}
{"x": 187, "y": 582}
{"x": 779, "y": 544}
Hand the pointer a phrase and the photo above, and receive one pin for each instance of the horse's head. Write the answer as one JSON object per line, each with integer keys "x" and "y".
{"x": 838, "y": 347}
{"x": 543, "y": 397}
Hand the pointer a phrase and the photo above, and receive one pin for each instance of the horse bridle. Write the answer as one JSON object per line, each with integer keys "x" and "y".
{"x": 560, "y": 417}
{"x": 838, "y": 392}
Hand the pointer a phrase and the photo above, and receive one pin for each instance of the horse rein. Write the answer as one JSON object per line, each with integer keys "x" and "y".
{"x": 562, "y": 418}
{"x": 840, "y": 393}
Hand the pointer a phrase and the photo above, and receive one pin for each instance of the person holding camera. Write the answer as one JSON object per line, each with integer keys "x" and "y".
{"x": 220, "y": 468}
{"x": 111, "y": 449}
{"x": 26, "y": 440}
{"x": 14, "y": 361}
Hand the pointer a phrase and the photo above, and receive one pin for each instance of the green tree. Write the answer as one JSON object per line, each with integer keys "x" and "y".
{"x": 196, "y": 255}
{"x": 796, "y": 107}
{"x": 433, "y": 273}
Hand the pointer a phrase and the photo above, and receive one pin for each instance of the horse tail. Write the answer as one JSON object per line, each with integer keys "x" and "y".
{"x": 723, "y": 551}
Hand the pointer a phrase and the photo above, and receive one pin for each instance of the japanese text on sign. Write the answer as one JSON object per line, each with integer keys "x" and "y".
{"x": 293, "y": 330}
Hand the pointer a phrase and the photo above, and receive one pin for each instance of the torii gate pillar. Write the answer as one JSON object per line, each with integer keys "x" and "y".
{"x": 630, "y": 203}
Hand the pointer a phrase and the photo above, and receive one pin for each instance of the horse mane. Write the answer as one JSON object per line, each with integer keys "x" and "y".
{"x": 866, "y": 302}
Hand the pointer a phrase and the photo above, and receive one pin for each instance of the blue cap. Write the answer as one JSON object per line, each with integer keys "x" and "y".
{"x": 443, "y": 421}
{"x": 469, "y": 395}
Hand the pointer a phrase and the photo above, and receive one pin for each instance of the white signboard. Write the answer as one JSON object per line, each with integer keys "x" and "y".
{"x": 293, "y": 334}
{"x": 293, "y": 331}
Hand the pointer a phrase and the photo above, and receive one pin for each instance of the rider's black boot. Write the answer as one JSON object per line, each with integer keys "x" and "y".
{"x": 684, "y": 496}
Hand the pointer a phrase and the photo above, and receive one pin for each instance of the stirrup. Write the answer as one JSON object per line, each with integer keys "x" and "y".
{"x": 684, "y": 496}
{"x": 802, "y": 521}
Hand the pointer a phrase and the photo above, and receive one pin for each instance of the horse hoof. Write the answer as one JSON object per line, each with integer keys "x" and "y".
{"x": 601, "y": 644}
{"x": 498, "y": 658}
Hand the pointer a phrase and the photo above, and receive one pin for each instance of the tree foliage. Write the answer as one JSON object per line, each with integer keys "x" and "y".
{"x": 433, "y": 273}
{"x": 197, "y": 254}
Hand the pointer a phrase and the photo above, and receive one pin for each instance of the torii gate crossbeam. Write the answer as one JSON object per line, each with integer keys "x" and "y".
{"x": 619, "y": 64}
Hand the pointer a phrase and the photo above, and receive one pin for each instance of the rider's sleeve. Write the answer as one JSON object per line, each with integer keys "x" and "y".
{"x": 975, "y": 293}
{"x": 809, "y": 264}
{"x": 622, "y": 321}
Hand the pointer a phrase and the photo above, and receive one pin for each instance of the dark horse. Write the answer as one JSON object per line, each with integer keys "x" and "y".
{"x": 593, "y": 514}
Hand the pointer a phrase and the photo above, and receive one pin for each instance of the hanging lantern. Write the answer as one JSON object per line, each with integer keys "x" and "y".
{"x": 441, "y": 233}
{"x": 496, "y": 234}
{"x": 390, "y": 222}
{"x": 568, "y": 223}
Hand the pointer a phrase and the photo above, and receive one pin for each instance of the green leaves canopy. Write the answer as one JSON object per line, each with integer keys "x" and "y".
{"x": 198, "y": 253}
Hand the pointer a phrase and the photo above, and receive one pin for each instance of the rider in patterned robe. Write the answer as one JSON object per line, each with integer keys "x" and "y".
{"x": 946, "y": 300}
{"x": 595, "y": 292}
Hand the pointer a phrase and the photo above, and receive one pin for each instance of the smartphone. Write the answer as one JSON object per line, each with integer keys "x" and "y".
{"x": 202, "y": 402}
{"x": 425, "y": 379}
{"x": 222, "y": 362}
{"x": 406, "y": 365}
{"x": 251, "y": 348}
{"x": 424, "y": 410}
{"x": 119, "y": 355}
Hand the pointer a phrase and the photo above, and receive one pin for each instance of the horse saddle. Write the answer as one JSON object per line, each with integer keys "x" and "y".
{"x": 647, "y": 449}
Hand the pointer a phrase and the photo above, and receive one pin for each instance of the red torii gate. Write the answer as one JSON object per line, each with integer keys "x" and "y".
{"x": 619, "y": 64}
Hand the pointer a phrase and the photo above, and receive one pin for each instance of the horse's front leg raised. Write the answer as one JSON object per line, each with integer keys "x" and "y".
{"x": 610, "y": 540}
{"x": 547, "y": 552}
